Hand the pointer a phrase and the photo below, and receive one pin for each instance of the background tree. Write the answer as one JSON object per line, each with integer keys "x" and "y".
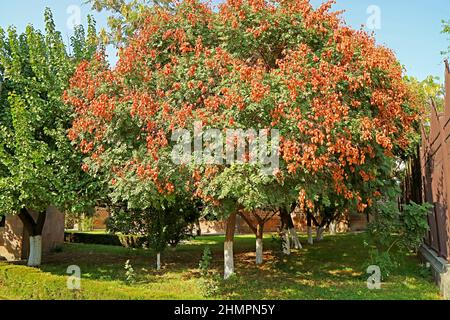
{"x": 446, "y": 31}
{"x": 167, "y": 225}
{"x": 126, "y": 17}
{"x": 38, "y": 166}
{"x": 426, "y": 90}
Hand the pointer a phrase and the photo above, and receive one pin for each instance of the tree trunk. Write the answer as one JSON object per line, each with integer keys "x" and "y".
{"x": 34, "y": 229}
{"x": 158, "y": 261}
{"x": 228, "y": 246}
{"x": 199, "y": 229}
{"x": 310, "y": 236}
{"x": 319, "y": 233}
{"x": 258, "y": 230}
{"x": 309, "y": 227}
{"x": 295, "y": 239}
{"x": 286, "y": 242}
{"x": 293, "y": 232}
{"x": 332, "y": 228}
{"x": 259, "y": 243}
{"x": 288, "y": 228}
{"x": 35, "y": 257}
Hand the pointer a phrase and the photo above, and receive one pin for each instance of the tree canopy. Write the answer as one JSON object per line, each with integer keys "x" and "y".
{"x": 338, "y": 99}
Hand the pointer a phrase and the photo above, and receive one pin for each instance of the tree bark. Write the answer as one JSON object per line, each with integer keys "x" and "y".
{"x": 158, "y": 261}
{"x": 286, "y": 242}
{"x": 259, "y": 243}
{"x": 309, "y": 227}
{"x": 319, "y": 233}
{"x": 288, "y": 228}
{"x": 332, "y": 228}
{"x": 293, "y": 232}
{"x": 199, "y": 229}
{"x": 228, "y": 246}
{"x": 295, "y": 239}
{"x": 320, "y": 227}
{"x": 34, "y": 229}
{"x": 259, "y": 233}
{"x": 35, "y": 257}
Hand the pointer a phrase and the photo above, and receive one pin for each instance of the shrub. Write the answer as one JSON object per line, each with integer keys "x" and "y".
{"x": 127, "y": 241}
{"x": 393, "y": 231}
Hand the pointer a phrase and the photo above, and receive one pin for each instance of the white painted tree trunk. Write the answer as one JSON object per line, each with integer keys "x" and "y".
{"x": 228, "y": 259}
{"x": 295, "y": 240}
{"x": 332, "y": 228}
{"x": 319, "y": 234}
{"x": 158, "y": 261}
{"x": 310, "y": 237}
{"x": 286, "y": 243}
{"x": 35, "y": 257}
{"x": 259, "y": 251}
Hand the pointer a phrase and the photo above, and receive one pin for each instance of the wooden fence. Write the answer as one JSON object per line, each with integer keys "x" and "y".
{"x": 434, "y": 164}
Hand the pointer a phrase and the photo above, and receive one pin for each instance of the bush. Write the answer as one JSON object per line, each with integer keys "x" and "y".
{"x": 160, "y": 227}
{"x": 127, "y": 241}
{"x": 384, "y": 260}
{"x": 393, "y": 232}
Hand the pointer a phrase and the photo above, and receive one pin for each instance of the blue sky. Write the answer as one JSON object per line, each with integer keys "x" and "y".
{"x": 410, "y": 27}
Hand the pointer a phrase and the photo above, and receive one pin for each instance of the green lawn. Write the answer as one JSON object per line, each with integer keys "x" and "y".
{"x": 332, "y": 269}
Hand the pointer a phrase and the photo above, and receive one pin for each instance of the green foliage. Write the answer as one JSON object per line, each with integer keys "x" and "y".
{"x": 414, "y": 218}
{"x": 244, "y": 186}
{"x": 38, "y": 166}
{"x": 85, "y": 223}
{"x": 130, "y": 275}
{"x": 210, "y": 285}
{"x": 384, "y": 260}
{"x": 125, "y": 17}
{"x": 210, "y": 282}
{"x": 429, "y": 89}
{"x": 84, "y": 46}
{"x": 393, "y": 232}
{"x": 205, "y": 261}
{"x": 403, "y": 229}
{"x": 159, "y": 226}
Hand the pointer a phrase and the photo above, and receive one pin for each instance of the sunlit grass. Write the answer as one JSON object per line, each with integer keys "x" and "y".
{"x": 331, "y": 269}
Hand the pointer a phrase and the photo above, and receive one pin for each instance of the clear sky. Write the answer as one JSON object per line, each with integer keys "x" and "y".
{"x": 410, "y": 27}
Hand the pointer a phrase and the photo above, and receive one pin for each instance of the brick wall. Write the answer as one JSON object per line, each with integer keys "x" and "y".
{"x": 355, "y": 222}
{"x": 99, "y": 219}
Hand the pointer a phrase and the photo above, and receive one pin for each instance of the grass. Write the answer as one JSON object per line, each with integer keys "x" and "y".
{"x": 331, "y": 269}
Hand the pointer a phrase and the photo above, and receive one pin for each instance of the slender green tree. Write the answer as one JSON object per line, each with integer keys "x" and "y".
{"x": 38, "y": 166}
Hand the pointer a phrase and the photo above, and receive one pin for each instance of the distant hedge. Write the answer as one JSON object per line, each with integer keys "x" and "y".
{"x": 127, "y": 241}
